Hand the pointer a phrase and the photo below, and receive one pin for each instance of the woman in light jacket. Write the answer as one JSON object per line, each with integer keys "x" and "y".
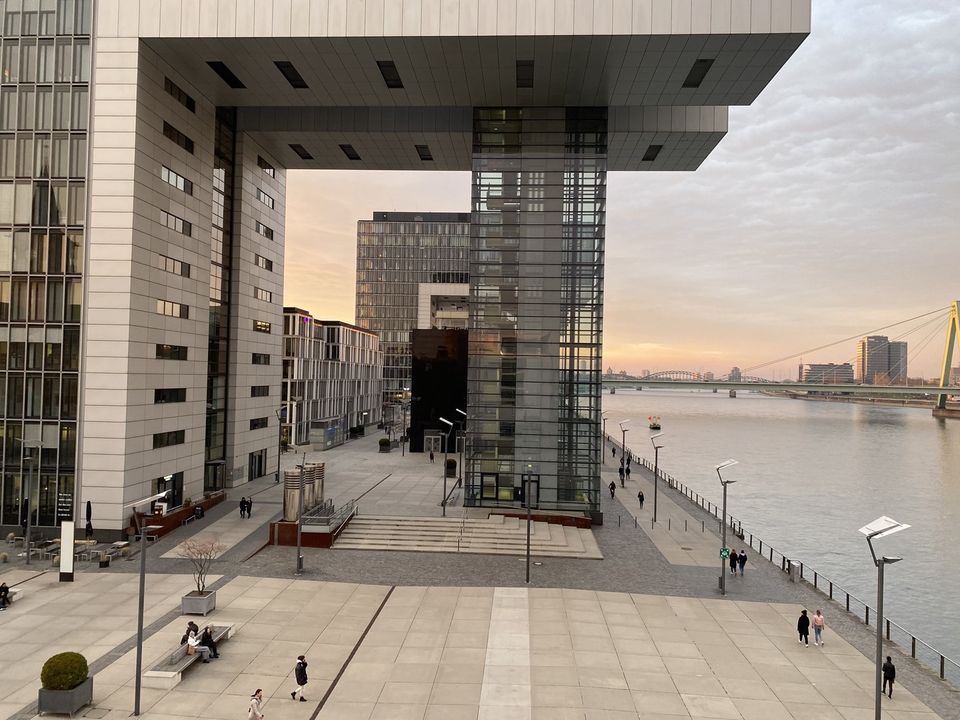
{"x": 256, "y": 701}
{"x": 194, "y": 646}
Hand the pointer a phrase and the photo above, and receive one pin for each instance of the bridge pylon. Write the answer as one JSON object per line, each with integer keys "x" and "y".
{"x": 953, "y": 332}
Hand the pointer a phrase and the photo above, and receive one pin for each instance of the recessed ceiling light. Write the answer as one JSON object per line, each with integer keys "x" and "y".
{"x": 390, "y": 74}
{"x": 651, "y": 154}
{"x": 226, "y": 74}
{"x": 350, "y": 151}
{"x": 524, "y": 73}
{"x": 698, "y": 72}
{"x": 290, "y": 73}
{"x": 301, "y": 151}
{"x": 424, "y": 152}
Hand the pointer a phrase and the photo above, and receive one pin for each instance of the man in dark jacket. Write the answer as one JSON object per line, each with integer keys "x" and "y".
{"x": 300, "y": 672}
{"x": 4, "y": 596}
{"x": 889, "y": 675}
{"x": 803, "y": 629}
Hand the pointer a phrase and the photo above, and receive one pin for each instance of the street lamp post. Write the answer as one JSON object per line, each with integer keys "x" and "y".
{"x": 881, "y": 527}
{"x": 723, "y": 559}
{"x": 623, "y": 450}
{"x": 446, "y": 442}
{"x": 143, "y": 574}
{"x": 303, "y": 467}
{"x": 656, "y": 470}
{"x": 603, "y": 450}
{"x": 461, "y": 442}
{"x": 27, "y": 495}
{"x": 404, "y": 405}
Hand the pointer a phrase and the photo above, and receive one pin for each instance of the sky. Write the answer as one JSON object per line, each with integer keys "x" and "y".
{"x": 830, "y": 209}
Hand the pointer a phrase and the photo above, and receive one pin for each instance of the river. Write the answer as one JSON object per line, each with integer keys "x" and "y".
{"x": 811, "y": 473}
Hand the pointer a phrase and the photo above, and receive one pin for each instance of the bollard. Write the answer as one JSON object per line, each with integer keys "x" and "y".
{"x": 703, "y": 526}
{"x": 618, "y": 521}
{"x": 684, "y": 525}
{"x": 651, "y": 523}
{"x": 634, "y": 522}
{"x": 669, "y": 524}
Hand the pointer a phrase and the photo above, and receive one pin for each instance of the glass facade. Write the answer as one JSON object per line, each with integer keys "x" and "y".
{"x": 536, "y": 293}
{"x": 44, "y": 109}
{"x": 221, "y": 251}
{"x": 396, "y": 252}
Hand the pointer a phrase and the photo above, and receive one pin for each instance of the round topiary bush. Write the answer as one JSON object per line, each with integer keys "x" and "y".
{"x": 384, "y": 442}
{"x": 64, "y": 671}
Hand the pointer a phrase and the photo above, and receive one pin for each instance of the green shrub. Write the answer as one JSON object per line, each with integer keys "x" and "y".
{"x": 64, "y": 671}
{"x": 384, "y": 442}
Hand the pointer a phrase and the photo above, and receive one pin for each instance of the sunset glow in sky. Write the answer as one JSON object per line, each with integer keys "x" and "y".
{"x": 831, "y": 208}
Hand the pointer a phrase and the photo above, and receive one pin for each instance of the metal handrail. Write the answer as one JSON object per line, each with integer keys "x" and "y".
{"x": 919, "y": 649}
{"x": 333, "y": 519}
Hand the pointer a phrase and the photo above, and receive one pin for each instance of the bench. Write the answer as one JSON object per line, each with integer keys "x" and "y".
{"x": 15, "y": 592}
{"x": 168, "y": 673}
{"x": 187, "y": 520}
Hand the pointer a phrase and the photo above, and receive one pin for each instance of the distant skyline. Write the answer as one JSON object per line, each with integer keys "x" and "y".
{"x": 829, "y": 210}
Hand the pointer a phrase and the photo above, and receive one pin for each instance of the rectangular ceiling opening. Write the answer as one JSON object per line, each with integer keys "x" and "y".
{"x": 390, "y": 74}
{"x": 290, "y": 73}
{"x": 226, "y": 74}
{"x": 424, "y": 152}
{"x": 651, "y": 154}
{"x": 524, "y": 73}
{"x": 301, "y": 151}
{"x": 350, "y": 152}
{"x": 698, "y": 72}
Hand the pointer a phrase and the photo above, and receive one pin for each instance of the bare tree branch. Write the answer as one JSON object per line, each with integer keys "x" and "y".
{"x": 201, "y": 553}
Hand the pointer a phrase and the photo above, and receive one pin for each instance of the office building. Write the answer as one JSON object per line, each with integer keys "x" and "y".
{"x": 332, "y": 380}
{"x": 412, "y": 272}
{"x": 143, "y": 151}
{"x": 881, "y": 361}
{"x": 828, "y": 373}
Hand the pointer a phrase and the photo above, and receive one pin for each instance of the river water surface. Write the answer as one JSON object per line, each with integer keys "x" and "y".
{"x": 811, "y": 473}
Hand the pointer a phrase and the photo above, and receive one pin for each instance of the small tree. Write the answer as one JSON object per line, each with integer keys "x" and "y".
{"x": 201, "y": 554}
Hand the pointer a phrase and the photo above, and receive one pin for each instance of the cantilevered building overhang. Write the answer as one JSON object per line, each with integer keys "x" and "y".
{"x": 198, "y": 106}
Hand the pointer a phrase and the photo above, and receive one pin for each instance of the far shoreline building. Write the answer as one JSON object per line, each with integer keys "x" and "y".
{"x": 828, "y": 373}
{"x": 881, "y": 361}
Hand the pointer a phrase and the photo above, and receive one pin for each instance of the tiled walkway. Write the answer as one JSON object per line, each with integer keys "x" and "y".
{"x": 493, "y": 654}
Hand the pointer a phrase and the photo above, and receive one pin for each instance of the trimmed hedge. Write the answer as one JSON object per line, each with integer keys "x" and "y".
{"x": 64, "y": 671}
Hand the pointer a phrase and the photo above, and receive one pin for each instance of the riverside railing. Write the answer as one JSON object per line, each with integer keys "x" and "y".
{"x": 945, "y": 667}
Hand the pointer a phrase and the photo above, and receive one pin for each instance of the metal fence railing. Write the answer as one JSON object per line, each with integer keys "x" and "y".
{"x": 947, "y": 668}
{"x": 329, "y": 516}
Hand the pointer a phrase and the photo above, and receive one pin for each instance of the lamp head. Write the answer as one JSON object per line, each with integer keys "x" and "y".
{"x": 444, "y": 420}
{"x": 726, "y": 464}
{"x": 461, "y": 412}
{"x": 881, "y": 527}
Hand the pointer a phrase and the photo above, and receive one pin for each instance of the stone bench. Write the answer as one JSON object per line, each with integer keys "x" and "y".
{"x": 168, "y": 673}
{"x": 15, "y": 593}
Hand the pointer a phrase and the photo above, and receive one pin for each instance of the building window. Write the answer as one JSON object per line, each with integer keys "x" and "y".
{"x": 262, "y": 262}
{"x": 258, "y": 423}
{"x": 172, "y": 309}
{"x": 167, "y": 439}
{"x": 176, "y": 180}
{"x": 175, "y": 223}
{"x": 260, "y": 359}
{"x": 258, "y": 464}
{"x": 261, "y": 294}
{"x": 169, "y": 395}
{"x": 260, "y": 391}
{"x": 261, "y": 326}
{"x": 264, "y": 198}
{"x": 171, "y": 352}
{"x": 174, "y": 135}
{"x": 262, "y": 229}
{"x": 179, "y": 95}
{"x": 174, "y": 266}
{"x": 173, "y": 486}
{"x": 266, "y": 167}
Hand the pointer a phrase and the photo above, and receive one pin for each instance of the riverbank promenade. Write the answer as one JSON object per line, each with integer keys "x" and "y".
{"x": 640, "y": 633}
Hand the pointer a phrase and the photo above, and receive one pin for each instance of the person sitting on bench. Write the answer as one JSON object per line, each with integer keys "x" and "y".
{"x": 4, "y": 596}
{"x": 207, "y": 640}
{"x": 194, "y": 646}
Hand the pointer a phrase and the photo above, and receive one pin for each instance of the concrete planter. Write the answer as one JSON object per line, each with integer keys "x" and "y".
{"x": 194, "y": 603}
{"x": 65, "y": 702}
{"x": 385, "y": 448}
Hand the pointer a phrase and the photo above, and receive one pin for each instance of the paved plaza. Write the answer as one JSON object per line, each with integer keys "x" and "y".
{"x": 641, "y": 633}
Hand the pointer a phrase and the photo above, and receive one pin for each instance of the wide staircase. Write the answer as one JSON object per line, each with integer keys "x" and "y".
{"x": 494, "y": 535}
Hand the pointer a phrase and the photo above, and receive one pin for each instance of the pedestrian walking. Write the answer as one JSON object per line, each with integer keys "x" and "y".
{"x": 300, "y": 672}
{"x": 256, "y": 702}
{"x": 629, "y": 458}
{"x": 818, "y": 625}
{"x": 889, "y": 675}
{"x": 249, "y": 506}
{"x": 803, "y": 629}
{"x": 621, "y": 477}
{"x": 613, "y": 488}
{"x": 628, "y": 471}
{"x": 640, "y": 498}
{"x": 741, "y": 560}
{"x": 431, "y": 456}
{"x": 733, "y": 562}
{"x": 243, "y": 507}
{"x": 614, "y": 450}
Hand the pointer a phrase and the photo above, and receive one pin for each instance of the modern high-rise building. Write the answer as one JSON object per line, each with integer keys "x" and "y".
{"x": 828, "y": 373}
{"x": 143, "y": 148}
{"x": 412, "y": 273}
{"x": 332, "y": 380}
{"x": 881, "y": 361}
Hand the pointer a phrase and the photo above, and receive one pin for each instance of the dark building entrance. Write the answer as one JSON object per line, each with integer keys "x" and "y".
{"x": 438, "y": 388}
